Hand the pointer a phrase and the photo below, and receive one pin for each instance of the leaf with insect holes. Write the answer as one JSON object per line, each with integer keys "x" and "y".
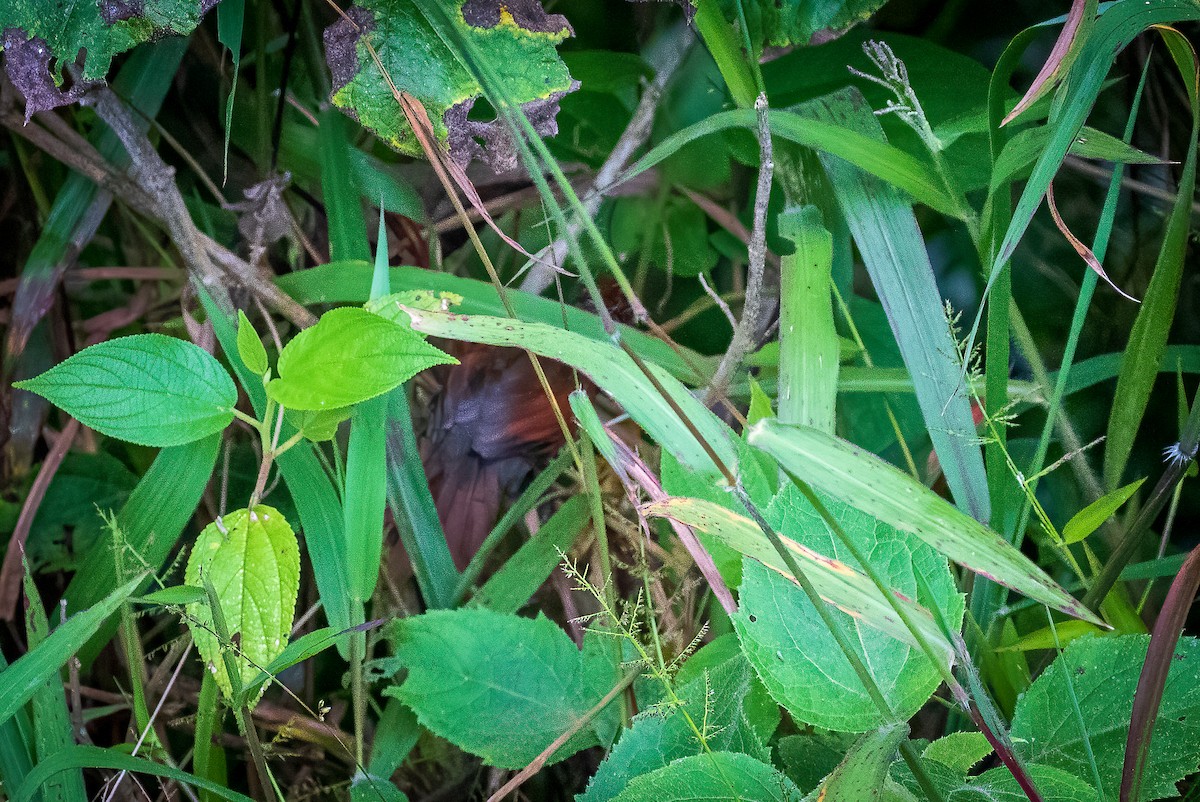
{"x": 349, "y": 356}
{"x": 1101, "y": 673}
{"x": 41, "y": 36}
{"x": 148, "y": 389}
{"x": 517, "y": 37}
{"x": 799, "y": 660}
{"x": 252, "y": 560}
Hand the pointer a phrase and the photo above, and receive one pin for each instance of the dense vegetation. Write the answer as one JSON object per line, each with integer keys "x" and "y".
{"x": 599, "y": 400}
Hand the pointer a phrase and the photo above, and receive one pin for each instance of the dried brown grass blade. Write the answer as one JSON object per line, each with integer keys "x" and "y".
{"x": 1080, "y": 247}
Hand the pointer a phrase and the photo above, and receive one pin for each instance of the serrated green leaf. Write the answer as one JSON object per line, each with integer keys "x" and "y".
{"x": 472, "y": 673}
{"x": 148, "y": 389}
{"x": 998, "y": 785}
{"x": 959, "y": 750}
{"x": 350, "y": 355}
{"x": 1093, "y": 516}
{"x": 712, "y": 777}
{"x": 838, "y": 583}
{"x": 798, "y": 658}
{"x": 866, "y": 482}
{"x": 252, "y": 560}
{"x": 318, "y": 425}
{"x": 718, "y": 689}
{"x": 250, "y": 347}
{"x": 520, "y": 41}
{"x": 1103, "y": 674}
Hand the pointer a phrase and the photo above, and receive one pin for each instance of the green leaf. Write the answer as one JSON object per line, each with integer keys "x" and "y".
{"x": 473, "y": 673}
{"x": 40, "y": 37}
{"x": 176, "y": 596}
{"x": 1093, "y": 516}
{"x": 719, "y": 691}
{"x": 250, "y": 347}
{"x": 28, "y": 673}
{"x": 715, "y": 777}
{"x": 148, "y": 389}
{"x": 252, "y": 560}
{"x": 795, "y": 22}
{"x": 838, "y": 583}
{"x": 93, "y": 757}
{"x": 998, "y": 785}
{"x": 1102, "y": 673}
{"x": 866, "y": 482}
{"x": 521, "y": 46}
{"x": 893, "y": 250}
{"x": 959, "y": 750}
{"x": 320, "y": 424}
{"x": 350, "y": 355}
{"x": 865, "y": 767}
{"x": 296, "y": 652}
{"x": 799, "y": 659}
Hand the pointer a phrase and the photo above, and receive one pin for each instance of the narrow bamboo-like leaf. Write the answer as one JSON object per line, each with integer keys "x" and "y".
{"x": 866, "y": 482}
{"x": 611, "y": 369}
{"x": 808, "y": 341}
{"x": 351, "y": 355}
{"x": 865, "y": 767}
{"x": 148, "y": 389}
{"x": 1024, "y": 148}
{"x": 895, "y": 256}
{"x": 414, "y": 510}
{"x": 176, "y": 596}
{"x": 1153, "y": 679}
{"x": 27, "y": 674}
{"x": 1148, "y": 338}
{"x": 297, "y": 652}
{"x": 93, "y": 757}
{"x": 1052, "y": 638}
{"x": 350, "y": 282}
{"x": 365, "y": 494}
{"x": 1115, "y": 29}
{"x": 52, "y": 730}
{"x": 343, "y": 207}
{"x": 876, "y": 157}
{"x": 1066, "y": 49}
{"x": 250, "y": 347}
{"x": 1093, "y": 516}
{"x": 231, "y": 18}
{"x": 522, "y": 574}
{"x": 838, "y": 583}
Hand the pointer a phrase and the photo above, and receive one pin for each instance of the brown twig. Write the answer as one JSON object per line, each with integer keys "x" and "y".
{"x": 10, "y": 573}
{"x": 743, "y": 336}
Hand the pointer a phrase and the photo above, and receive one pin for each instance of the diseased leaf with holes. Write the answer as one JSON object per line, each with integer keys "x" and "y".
{"x": 797, "y": 657}
{"x": 252, "y": 560}
{"x": 712, "y": 777}
{"x": 40, "y": 36}
{"x": 499, "y": 686}
{"x": 723, "y": 699}
{"x": 349, "y": 356}
{"x": 518, "y": 38}
{"x": 148, "y": 389}
{"x": 1102, "y": 674}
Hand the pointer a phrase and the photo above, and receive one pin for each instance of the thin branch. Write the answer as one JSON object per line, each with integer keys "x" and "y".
{"x": 636, "y": 133}
{"x": 743, "y": 336}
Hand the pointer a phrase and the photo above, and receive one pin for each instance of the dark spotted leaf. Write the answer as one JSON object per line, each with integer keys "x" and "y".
{"x": 518, "y": 38}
